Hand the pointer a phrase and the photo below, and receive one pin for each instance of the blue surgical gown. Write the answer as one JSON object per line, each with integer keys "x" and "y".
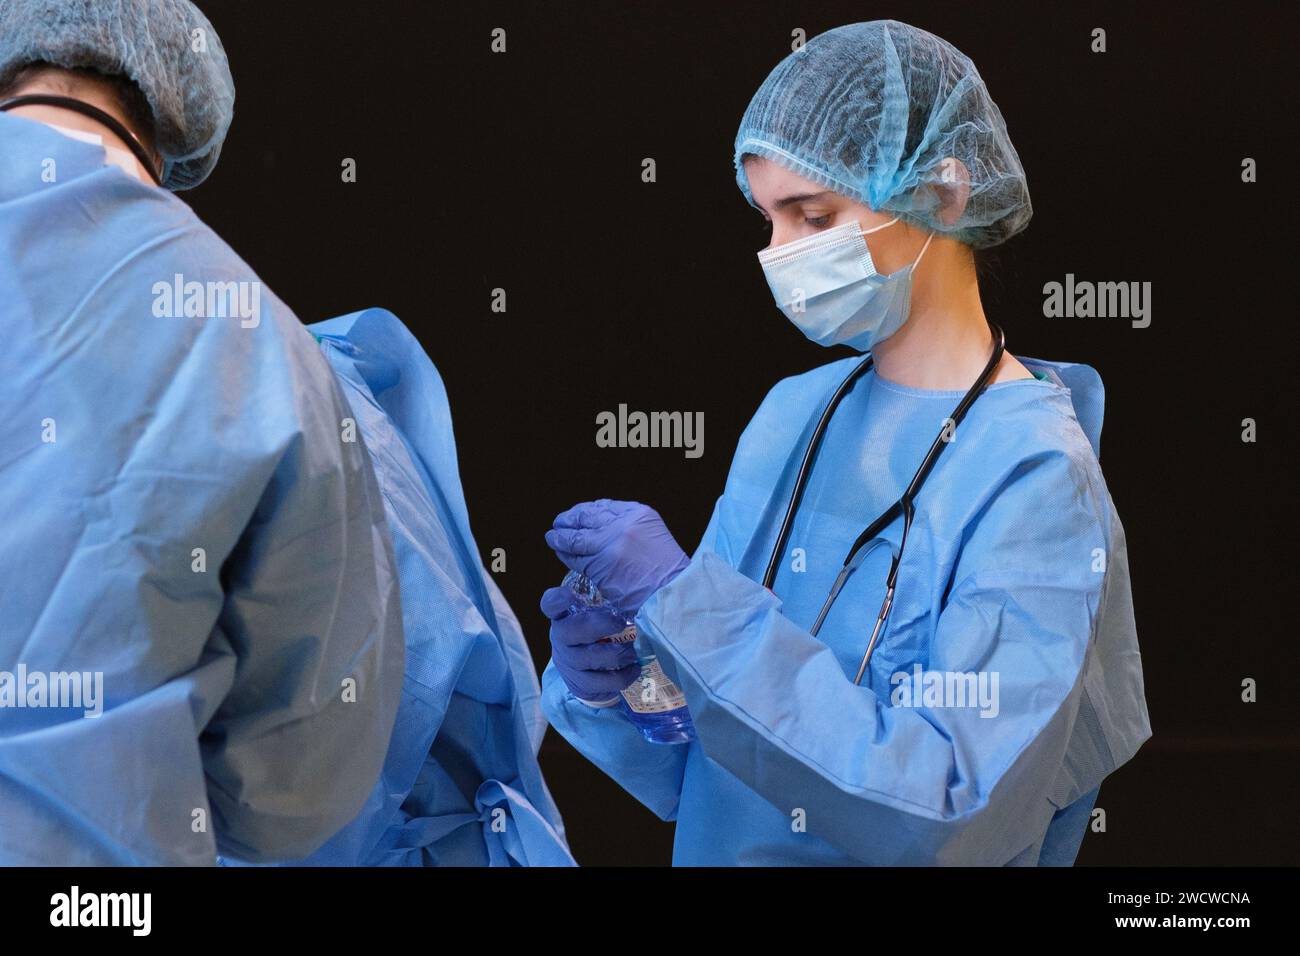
{"x": 183, "y": 520}
{"x": 461, "y": 785}
{"x": 1015, "y": 565}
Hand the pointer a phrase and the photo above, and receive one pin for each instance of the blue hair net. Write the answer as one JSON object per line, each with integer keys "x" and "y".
{"x": 152, "y": 42}
{"x": 872, "y": 111}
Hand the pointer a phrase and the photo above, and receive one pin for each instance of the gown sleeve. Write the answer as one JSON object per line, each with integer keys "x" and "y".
{"x": 312, "y": 616}
{"x": 893, "y": 784}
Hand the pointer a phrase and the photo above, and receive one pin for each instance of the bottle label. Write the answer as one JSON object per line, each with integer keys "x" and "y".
{"x": 625, "y": 636}
{"x": 653, "y": 693}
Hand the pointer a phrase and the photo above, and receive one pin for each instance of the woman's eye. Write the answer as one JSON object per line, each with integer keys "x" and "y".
{"x": 819, "y": 221}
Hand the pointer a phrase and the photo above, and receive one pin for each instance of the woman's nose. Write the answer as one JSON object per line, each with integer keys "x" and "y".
{"x": 781, "y": 235}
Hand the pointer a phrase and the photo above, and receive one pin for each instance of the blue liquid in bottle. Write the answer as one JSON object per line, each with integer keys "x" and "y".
{"x": 653, "y": 703}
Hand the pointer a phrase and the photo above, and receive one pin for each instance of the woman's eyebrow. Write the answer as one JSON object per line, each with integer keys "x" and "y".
{"x": 796, "y": 198}
{"x": 801, "y": 197}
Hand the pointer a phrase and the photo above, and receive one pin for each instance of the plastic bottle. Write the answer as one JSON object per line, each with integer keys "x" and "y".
{"x": 653, "y": 703}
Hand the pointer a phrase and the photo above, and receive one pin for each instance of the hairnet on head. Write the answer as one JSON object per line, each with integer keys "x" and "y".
{"x": 872, "y": 110}
{"x": 152, "y": 42}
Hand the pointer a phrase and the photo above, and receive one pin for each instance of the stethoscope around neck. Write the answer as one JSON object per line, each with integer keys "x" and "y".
{"x": 93, "y": 112}
{"x": 906, "y": 505}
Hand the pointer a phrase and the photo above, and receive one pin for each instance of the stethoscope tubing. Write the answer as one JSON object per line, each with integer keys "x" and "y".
{"x": 95, "y": 113}
{"x": 905, "y": 505}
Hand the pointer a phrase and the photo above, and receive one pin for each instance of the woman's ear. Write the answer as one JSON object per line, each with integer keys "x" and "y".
{"x": 952, "y": 189}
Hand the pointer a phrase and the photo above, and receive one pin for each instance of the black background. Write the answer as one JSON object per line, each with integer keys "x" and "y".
{"x": 522, "y": 171}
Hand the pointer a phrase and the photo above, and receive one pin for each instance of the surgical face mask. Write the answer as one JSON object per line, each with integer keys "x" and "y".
{"x": 827, "y": 285}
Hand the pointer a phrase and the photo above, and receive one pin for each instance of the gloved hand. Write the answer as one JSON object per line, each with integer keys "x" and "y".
{"x": 623, "y": 547}
{"x": 594, "y": 672}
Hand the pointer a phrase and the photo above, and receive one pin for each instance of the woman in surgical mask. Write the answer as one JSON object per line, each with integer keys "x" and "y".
{"x": 907, "y": 635}
{"x": 923, "y": 324}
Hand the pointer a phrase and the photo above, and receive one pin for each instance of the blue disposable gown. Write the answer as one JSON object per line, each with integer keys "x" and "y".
{"x": 461, "y": 784}
{"x": 1015, "y": 564}
{"x": 182, "y": 518}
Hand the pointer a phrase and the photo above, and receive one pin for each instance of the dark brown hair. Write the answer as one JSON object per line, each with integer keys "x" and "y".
{"x": 128, "y": 97}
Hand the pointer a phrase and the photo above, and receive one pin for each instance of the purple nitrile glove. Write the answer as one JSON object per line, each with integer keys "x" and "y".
{"x": 623, "y": 547}
{"x": 595, "y": 672}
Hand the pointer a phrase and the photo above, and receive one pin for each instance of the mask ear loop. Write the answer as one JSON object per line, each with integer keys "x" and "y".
{"x": 883, "y": 225}
{"x": 922, "y": 252}
{"x": 915, "y": 262}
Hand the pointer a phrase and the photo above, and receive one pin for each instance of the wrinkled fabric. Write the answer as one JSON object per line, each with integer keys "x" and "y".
{"x": 167, "y": 47}
{"x": 121, "y": 158}
{"x": 796, "y": 765}
{"x": 896, "y": 118}
{"x": 182, "y": 518}
{"x": 461, "y": 785}
{"x": 1060, "y": 842}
